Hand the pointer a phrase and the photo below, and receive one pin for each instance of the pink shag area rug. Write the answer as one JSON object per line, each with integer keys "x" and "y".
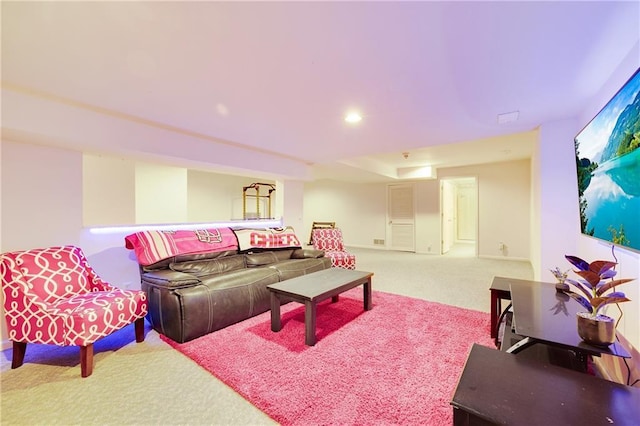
{"x": 398, "y": 363}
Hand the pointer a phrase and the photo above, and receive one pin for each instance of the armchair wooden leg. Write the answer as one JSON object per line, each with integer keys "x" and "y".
{"x": 139, "y": 324}
{"x": 19, "y": 349}
{"x": 86, "y": 360}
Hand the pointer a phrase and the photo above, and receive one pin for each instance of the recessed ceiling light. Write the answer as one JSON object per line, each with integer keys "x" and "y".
{"x": 222, "y": 110}
{"x": 353, "y": 117}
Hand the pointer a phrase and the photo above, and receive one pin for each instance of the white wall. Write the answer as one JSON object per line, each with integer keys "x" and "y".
{"x": 110, "y": 185}
{"x": 360, "y": 209}
{"x": 108, "y": 190}
{"x": 557, "y": 210}
{"x": 504, "y": 206}
{"x": 28, "y": 117}
{"x": 555, "y": 229}
{"x": 161, "y": 194}
{"x": 41, "y": 196}
{"x": 218, "y": 197}
{"x": 590, "y": 248}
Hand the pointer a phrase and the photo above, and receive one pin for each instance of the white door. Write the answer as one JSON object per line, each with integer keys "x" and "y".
{"x": 401, "y": 214}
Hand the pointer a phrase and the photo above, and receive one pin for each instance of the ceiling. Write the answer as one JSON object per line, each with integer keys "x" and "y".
{"x": 429, "y": 78}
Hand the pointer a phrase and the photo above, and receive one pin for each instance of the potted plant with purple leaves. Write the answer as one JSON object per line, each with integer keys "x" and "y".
{"x": 595, "y": 290}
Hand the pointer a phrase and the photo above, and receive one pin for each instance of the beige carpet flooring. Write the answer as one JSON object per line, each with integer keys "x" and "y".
{"x": 150, "y": 383}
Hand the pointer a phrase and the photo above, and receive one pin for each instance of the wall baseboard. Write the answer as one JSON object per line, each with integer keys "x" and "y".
{"x": 517, "y": 259}
{"x": 376, "y": 247}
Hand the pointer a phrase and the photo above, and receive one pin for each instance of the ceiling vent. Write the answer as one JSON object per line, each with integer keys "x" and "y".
{"x": 508, "y": 117}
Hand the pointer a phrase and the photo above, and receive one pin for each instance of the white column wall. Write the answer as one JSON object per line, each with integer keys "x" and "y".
{"x": 559, "y": 212}
{"x": 427, "y": 223}
{"x": 535, "y": 231}
{"x": 108, "y": 190}
{"x": 289, "y": 200}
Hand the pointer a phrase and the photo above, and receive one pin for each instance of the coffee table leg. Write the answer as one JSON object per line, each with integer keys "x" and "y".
{"x": 309, "y": 323}
{"x": 276, "y": 324}
{"x": 367, "y": 295}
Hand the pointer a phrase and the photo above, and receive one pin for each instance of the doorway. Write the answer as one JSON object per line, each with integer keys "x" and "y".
{"x": 459, "y": 216}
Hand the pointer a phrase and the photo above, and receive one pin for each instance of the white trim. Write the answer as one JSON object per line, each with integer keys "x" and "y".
{"x": 265, "y": 223}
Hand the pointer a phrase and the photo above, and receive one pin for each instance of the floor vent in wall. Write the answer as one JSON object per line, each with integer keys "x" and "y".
{"x": 378, "y": 242}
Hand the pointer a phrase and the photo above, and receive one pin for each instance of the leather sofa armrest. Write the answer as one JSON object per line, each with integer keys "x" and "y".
{"x": 170, "y": 279}
{"x": 306, "y": 253}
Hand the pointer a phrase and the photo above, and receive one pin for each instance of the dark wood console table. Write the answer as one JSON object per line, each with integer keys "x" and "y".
{"x": 500, "y": 290}
{"x": 527, "y": 392}
{"x": 543, "y": 315}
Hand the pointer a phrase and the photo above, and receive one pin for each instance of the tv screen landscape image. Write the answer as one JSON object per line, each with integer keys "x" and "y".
{"x": 608, "y": 168}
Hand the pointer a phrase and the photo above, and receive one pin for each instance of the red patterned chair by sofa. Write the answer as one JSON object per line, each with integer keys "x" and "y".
{"x": 330, "y": 240}
{"x": 53, "y": 296}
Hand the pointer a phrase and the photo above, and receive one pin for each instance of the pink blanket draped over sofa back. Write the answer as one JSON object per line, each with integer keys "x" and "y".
{"x": 153, "y": 246}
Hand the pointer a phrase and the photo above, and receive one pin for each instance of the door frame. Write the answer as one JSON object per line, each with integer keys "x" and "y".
{"x": 457, "y": 180}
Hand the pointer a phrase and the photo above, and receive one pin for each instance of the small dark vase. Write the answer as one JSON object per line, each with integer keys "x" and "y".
{"x": 599, "y": 331}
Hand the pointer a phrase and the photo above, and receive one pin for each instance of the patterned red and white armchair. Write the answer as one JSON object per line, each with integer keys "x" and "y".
{"x": 330, "y": 240}
{"x": 53, "y": 296}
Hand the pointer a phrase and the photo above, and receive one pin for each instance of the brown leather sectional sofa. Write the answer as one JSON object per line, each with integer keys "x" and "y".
{"x": 195, "y": 294}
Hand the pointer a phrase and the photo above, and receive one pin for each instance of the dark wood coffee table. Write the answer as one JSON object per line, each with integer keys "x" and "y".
{"x": 502, "y": 389}
{"x": 313, "y": 288}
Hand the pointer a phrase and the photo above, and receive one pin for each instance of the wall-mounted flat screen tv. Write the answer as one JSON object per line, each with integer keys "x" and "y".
{"x": 608, "y": 167}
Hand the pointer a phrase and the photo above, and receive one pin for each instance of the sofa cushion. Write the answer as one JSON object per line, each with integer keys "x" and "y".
{"x": 296, "y": 267}
{"x": 221, "y": 300}
{"x": 164, "y": 264}
{"x": 267, "y": 257}
{"x": 247, "y": 277}
{"x": 205, "y": 267}
{"x": 169, "y": 279}
{"x": 306, "y": 253}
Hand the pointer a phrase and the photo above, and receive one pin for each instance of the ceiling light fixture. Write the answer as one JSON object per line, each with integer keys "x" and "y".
{"x": 353, "y": 117}
{"x": 421, "y": 172}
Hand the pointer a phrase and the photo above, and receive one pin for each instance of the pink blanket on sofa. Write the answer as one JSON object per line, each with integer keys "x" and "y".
{"x": 153, "y": 246}
{"x": 266, "y": 239}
